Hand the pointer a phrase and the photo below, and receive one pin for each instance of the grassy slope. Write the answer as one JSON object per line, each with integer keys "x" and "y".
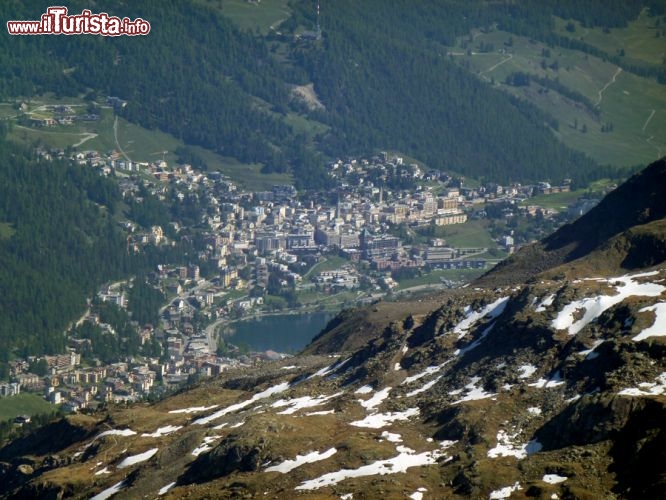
{"x": 263, "y": 15}
{"x": 138, "y": 143}
{"x": 627, "y": 102}
{"x": 24, "y": 404}
{"x": 472, "y": 234}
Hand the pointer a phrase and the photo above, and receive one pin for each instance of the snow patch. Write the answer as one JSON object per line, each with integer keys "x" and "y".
{"x": 392, "y": 437}
{"x": 366, "y": 389}
{"x": 276, "y": 389}
{"x": 547, "y": 302}
{"x": 376, "y": 399}
{"x": 418, "y": 494}
{"x": 491, "y": 310}
{"x": 658, "y": 329}
{"x": 205, "y": 447}
{"x": 625, "y": 286}
{"x": 554, "y": 381}
{"x": 647, "y": 388}
{"x": 472, "y": 392}
{"x": 109, "y": 492}
{"x": 428, "y": 371}
{"x": 553, "y": 478}
{"x": 135, "y": 459}
{"x": 526, "y": 371}
{"x": 116, "y": 432}
{"x": 504, "y": 492}
{"x": 163, "y": 431}
{"x": 424, "y": 387}
{"x": 534, "y": 410}
{"x": 289, "y": 465}
{"x": 589, "y": 353}
{"x": 166, "y": 488}
{"x": 194, "y": 409}
{"x": 380, "y": 420}
{"x": 507, "y": 448}
{"x": 475, "y": 344}
{"x": 399, "y": 463}
{"x": 328, "y": 369}
{"x": 296, "y": 404}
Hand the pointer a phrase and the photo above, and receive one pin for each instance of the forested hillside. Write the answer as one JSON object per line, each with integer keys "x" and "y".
{"x": 59, "y": 240}
{"x": 381, "y": 70}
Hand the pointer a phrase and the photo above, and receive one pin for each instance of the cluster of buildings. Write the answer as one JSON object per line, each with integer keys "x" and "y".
{"x": 259, "y": 240}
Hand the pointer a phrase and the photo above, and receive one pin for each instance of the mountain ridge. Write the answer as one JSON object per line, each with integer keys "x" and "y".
{"x": 615, "y": 223}
{"x": 552, "y": 387}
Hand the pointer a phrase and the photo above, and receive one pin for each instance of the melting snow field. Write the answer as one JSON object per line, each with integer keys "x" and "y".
{"x": 163, "y": 431}
{"x": 472, "y": 392}
{"x": 548, "y": 301}
{"x": 366, "y": 389}
{"x": 548, "y": 384}
{"x": 296, "y": 404}
{"x": 392, "y": 437}
{"x": 428, "y": 371}
{"x": 376, "y": 399}
{"x": 418, "y": 494}
{"x": 400, "y": 463}
{"x": 595, "y": 306}
{"x": 647, "y": 388}
{"x": 276, "y": 389}
{"x": 194, "y": 409}
{"x": 205, "y": 446}
{"x": 507, "y": 448}
{"x": 380, "y": 420}
{"x": 328, "y": 369}
{"x": 135, "y": 459}
{"x": 424, "y": 387}
{"x": 492, "y": 310}
{"x": 166, "y": 488}
{"x": 589, "y": 353}
{"x": 109, "y": 492}
{"x": 289, "y": 465}
{"x": 476, "y": 343}
{"x": 504, "y": 492}
{"x": 658, "y": 329}
{"x": 116, "y": 432}
{"x": 553, "y": 479}
{"x": 526, "y": 371}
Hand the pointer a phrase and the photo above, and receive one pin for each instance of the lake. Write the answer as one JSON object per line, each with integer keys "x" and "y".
{"x": 287, "y": 333}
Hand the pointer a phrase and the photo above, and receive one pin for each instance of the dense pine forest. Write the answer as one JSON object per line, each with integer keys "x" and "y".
{"x": 62, "y": 242}
{"x": 59, "y": 241}
{"x": 380, "y": 69}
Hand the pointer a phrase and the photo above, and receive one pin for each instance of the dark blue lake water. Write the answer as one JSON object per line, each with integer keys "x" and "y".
{"x": 287, "y": 333}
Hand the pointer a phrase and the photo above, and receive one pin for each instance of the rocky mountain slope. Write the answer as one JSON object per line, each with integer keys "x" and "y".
{"x": 552, "y": 386}
{"x": 625, "y": 231}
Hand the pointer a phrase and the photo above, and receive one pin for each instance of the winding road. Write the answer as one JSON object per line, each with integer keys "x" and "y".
{"x": 610, "y": 82}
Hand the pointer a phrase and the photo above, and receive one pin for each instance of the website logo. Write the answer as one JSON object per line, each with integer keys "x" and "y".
{"x": 56, "y": 21}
